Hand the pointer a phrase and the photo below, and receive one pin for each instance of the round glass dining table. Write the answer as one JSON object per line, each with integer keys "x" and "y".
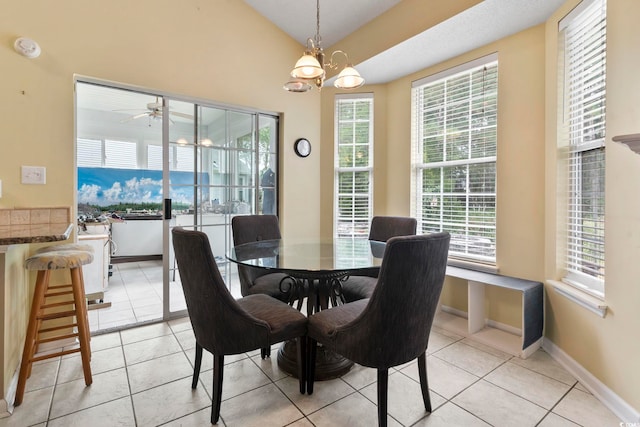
{"x": 305, "y": 257}
{"x": 315, "y": 269}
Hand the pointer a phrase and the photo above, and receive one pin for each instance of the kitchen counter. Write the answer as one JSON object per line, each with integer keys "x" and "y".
{"x": 34, "y": 225}
{"x": 18, "y": 229}
{"x": 34, "y": 233}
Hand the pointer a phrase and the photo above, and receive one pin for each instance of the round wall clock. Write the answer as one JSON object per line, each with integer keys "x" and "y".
{"x": 302, "y": 147}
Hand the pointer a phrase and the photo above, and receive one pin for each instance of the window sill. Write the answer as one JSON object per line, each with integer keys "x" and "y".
{"x": 591, "y": 303}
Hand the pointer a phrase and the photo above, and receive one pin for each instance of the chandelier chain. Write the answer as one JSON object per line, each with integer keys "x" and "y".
{"x": 318, "y": 21}
{"x": 310, "y": 69}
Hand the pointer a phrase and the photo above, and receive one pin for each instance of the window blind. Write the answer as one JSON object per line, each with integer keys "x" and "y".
{"x": 353, "y": 165}
{"x": 454, "y": 142}
{"x": 154, "y": 157}
{"x": 184, "y": 158}
{"x": 89, "y": 153}
{"x": 120, "y": 154}
{"x": 583, "y": 42}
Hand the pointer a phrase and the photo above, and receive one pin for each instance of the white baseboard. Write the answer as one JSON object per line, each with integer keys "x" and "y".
{"x": 604, "y": 394}
{"x": 492, "y": 323}
{"x": 454, "y": 311}
{"x": 4, "y": 409}
{"x": 6, "y": 404}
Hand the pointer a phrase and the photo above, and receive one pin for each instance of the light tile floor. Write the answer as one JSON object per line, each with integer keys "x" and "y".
{"x": 142, "y": 377}
{"x": 135, "y": 294}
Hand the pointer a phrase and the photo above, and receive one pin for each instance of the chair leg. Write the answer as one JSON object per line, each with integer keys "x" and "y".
{"x": 218, "y": 366}
{"x": 196, "y": 367}
{"x": 424, "y": 384}
{"x": 32, "y": 331}
{"x": 85, "y": 308}
{"x": 80, "y": 304}
{"x": 265, "y": 352}
{"x": 301, "y": 345}
{"x": 383, "y": 383}
{"x": 312, "y": 347}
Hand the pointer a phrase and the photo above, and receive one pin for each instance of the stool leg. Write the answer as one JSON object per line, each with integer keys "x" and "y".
{"x": 85, "y": 308}
{"x": 81, "y": 318}
{"x": 32, "y": 330}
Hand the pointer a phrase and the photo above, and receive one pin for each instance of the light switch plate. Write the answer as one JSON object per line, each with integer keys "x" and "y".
{"x": 34, "y": 175}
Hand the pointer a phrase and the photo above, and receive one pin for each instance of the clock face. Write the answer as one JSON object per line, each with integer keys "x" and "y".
{"x": 302, "y": 147}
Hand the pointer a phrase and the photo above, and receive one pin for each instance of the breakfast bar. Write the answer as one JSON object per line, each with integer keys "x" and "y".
{"x": 18, "y": 229}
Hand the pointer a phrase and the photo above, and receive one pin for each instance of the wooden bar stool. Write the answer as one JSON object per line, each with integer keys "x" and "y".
{"x": 65, "y": 247}
{"x": 70, "y": 247}
{"x": 43, "y": 310}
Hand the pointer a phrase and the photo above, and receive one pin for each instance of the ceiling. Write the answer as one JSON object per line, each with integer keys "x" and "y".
{"x": 484, "y": 23}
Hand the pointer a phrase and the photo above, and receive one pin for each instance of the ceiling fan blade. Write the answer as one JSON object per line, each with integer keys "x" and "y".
{"x": 137, "y": 116}
{"x": 183, "y": 115}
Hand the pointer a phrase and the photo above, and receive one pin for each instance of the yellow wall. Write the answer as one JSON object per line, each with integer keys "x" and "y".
{"x": 15, "y": 302}
{"x": 520, "y": 210}
{"x": 219, "y": 50}
{"x": 608, "y": 348}
{"x": 526, "y": 217}
{"x": 201, "y": 48}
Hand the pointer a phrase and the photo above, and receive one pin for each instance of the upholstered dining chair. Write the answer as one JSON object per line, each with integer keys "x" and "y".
{"x": 361, "y": 286}
{"x": 254, "y": 280}
{"x": 393, "y": 326}
{"x": 223, "y": 325}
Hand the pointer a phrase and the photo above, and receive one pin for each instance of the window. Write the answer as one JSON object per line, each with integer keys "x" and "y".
{"x": 454, "y": 139}
{"x": 89, "y": 153}
{"x": 117, "y": 154}
{"x": 120, "y": 154}
{"x": 184, "y": 159}
{"x": 582, "y": 70}
{"x": 353, "y": 165}
{"x": 154, "y": 157}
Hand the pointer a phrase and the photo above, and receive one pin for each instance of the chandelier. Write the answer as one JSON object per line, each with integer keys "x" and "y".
{"x": 311, "y": 69}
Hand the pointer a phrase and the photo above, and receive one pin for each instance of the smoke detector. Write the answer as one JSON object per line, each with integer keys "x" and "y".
{"x": 27, "y": 47}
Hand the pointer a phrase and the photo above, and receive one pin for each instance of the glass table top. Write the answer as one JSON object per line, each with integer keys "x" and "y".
{"x": 296, "y": 255}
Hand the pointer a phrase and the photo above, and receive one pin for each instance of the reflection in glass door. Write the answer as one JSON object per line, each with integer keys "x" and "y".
{"x": 221, "y": 164}
{"x": 135, "y": 148}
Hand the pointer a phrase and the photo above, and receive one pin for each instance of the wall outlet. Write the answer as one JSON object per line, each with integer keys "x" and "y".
{"x": 34, "y": 175}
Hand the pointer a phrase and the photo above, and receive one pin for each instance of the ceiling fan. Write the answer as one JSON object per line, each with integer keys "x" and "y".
{"x": 154, "y": 111}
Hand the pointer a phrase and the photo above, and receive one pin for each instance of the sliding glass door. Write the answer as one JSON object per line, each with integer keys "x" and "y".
{"x": 149, "y": 162}
{"x": 232, "y": 161}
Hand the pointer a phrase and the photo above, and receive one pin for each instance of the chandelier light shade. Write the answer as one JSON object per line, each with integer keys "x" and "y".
{"x": 297, "y": 85}
{"x": 349, "y": 78}
{"x": 307, "y": 67}
{"x": 310, "y": 69}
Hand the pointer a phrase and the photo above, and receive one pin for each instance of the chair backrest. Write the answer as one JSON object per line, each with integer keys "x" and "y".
{"x": 251, "y": 228}
{"x": 395, "y": 325}
{"x": 385, "y": 227}
{"x": 220, "y": 325}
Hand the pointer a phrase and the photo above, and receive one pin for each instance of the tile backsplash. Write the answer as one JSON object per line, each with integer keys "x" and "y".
{"x": 34, "y": 216}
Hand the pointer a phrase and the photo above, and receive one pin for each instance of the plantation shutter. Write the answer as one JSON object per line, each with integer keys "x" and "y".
{"x": 120, "y": 154}
{"x": 89, "y": 153}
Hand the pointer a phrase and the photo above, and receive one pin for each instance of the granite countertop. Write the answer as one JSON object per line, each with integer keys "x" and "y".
{"x": 34, "y": 233}
{"x": 34, "y": 225}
